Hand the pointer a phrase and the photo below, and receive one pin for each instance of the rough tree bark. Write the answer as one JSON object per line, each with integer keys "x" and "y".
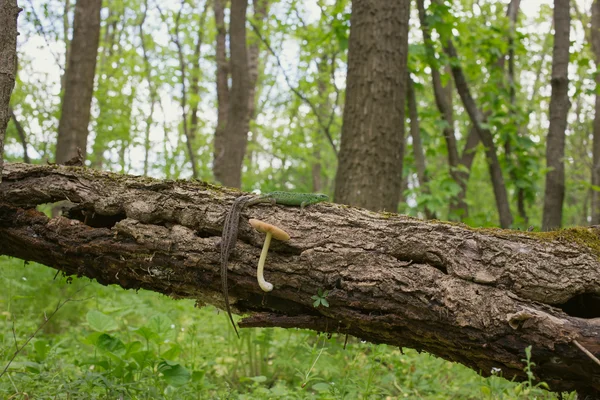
{"x": 79, "y": 81}
{"x": 474, "y": 296}
{"x": 372, "y": 145}
{"x": 554, "y": 193}
{"x": 595, "y": 42}
{"x": 9, "y": 11}
{"x": 230, "y": 146}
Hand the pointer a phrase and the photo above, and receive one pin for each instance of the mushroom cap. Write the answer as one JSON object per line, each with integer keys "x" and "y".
{"x": 264, "y": 227}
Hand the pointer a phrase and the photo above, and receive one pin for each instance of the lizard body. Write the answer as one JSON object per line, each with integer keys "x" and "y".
{"x": 296, "y": 199}
{"x": 231, "y": 224}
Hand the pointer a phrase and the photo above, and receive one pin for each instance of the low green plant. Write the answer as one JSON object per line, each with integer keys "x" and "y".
{"x": 320, "y": 299}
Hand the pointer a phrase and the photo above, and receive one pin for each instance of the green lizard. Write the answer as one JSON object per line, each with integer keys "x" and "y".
{"x": 232, "y": 219}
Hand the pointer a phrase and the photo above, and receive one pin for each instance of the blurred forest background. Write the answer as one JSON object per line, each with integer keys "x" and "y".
{"x": 499, "y": 96}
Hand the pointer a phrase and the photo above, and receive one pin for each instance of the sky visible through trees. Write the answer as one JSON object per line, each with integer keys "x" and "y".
{"x": 46, "y": 64}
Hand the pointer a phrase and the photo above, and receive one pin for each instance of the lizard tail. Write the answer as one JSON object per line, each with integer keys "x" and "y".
{"x": 225, "y": 294}
{"x": 228, "y": 241}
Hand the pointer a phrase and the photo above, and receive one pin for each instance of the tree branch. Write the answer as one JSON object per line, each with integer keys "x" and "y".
{"x": 313, "y": 107}
{"x": 478, "y": 297}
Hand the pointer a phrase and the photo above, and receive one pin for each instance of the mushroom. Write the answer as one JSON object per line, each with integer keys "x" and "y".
{"x": 270, "y": 230}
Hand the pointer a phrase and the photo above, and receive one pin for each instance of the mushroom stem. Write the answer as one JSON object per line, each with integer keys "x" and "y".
{"x": 264, "y": 285}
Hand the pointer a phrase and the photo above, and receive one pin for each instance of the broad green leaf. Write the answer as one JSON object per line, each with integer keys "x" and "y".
{"x": 321, "y": 387}
{"x": 101, "y": 322}
{"x": 111, "y": 344}
{"x": 175, "y": 374}
{"x": 172, "y": 353}
{"x": 159, "y": 323}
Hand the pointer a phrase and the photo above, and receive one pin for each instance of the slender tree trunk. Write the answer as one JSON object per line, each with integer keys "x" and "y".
{"x": 196, "y": 72}
{"x": 485, "y": 135}
{"x": 595, "y": 38}
{"x": 415, "y": 133}
{"x": 66, "y": 26}
{"x": 79, "y": 81}
{"x": 372, "y": 148}
{"x": 151, "y": 89}
{"x": 512, "y": 13}
{"x": 259, "y": 16}
{"x": 108, "y": 43}
{"x": 325, "y": 106}
{"x": 189, "y": 138}
{"x": 22, "y": 136}
{"x": 443, "y": 99}
{"x": 559, "y": 107}
{"x": 9, "y": 11}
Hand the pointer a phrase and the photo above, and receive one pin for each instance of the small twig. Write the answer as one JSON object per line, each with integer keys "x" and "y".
{"x": 587, "y": 352}
{"x": 14, "y": 334}
{"x": 295, "y": 90}
{"x": 46, "y": 319}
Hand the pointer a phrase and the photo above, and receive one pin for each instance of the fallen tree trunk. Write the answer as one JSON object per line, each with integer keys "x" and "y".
{"x": 475, "y": 296}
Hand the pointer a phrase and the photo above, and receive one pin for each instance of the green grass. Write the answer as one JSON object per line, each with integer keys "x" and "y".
{"x": 108, "y": 343}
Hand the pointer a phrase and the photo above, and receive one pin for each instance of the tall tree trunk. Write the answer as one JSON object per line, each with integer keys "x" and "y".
{"x": 231, "y": 142}
{"x": 189, "y": 138}
{"x": 477, "y": 119}
{"x": 222, "y": 77}
{"x": 512, "y": 13}
{"x": 259, "y": 16}
{"x": 371, "y": 154}
{"x": 196, "y": 72}
{"x": 415, "y": 133}
{"x": 22, "y": 135}
{"x": 595, "y": 36}
{"x": 66, "y": 26}
{"x": 443, "y": 99}
{"x": 79, "y": 81}
{"x": 108, "y": 43}
{"x": 559, "y": 107}
{"x": 9, "y": 11}
{"x": 151, "y": 89}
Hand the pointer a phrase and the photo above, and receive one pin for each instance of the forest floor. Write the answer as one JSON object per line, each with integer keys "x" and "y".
{"x": 109, "y": 343}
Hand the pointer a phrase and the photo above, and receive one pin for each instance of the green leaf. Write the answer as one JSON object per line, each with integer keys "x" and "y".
{"x": 175, "y": 374}
{"x": 258, "y": 379}
{"x": 321, "y": 387}
{"x": 146, "y": 333}
{"x": 325, "y": 302}
{"x": 316, "y": 303}
{"x": 101, "y": 322}
{"x": 109, "y": 343}
{"x": 159, "y": 323}
{"x": 172, "y": 353}
{"x": 143, "y": 358}
{"x": 41, "y": 350}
